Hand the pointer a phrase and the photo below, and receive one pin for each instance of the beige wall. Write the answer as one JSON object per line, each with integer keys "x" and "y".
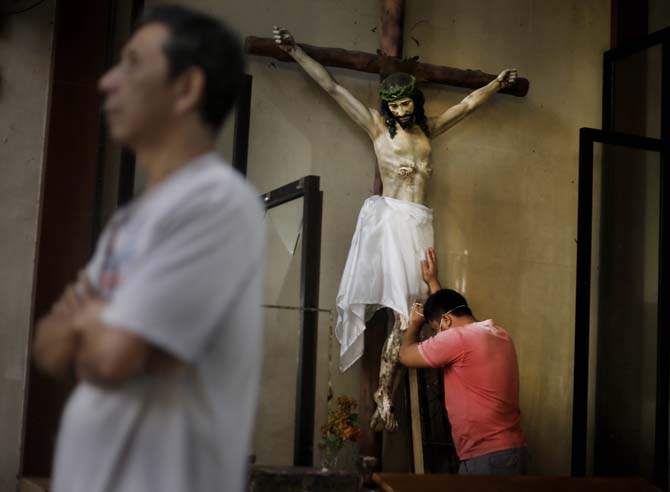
{"x": 25, "y": 60}
{"x": 504, "y": 188}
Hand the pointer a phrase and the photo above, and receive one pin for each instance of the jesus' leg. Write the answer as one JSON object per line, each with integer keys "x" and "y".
{"x": 383, "y": 417}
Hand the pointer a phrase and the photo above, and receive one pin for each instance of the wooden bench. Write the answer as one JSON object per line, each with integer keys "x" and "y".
{"x": 399, "y": 482}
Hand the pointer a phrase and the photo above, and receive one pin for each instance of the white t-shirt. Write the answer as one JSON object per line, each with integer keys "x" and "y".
{"x": 182, "y": 267}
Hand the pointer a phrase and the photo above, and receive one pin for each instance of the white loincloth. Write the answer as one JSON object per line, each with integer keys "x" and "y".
{"x": 383, "y": 268}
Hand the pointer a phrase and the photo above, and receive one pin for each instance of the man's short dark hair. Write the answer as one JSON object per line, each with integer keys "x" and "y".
{"x": 197, "y": 39}
{"x": 445, "y": 301}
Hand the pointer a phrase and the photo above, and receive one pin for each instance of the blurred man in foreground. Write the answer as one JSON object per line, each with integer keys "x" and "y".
{"x": 162, "y": 329}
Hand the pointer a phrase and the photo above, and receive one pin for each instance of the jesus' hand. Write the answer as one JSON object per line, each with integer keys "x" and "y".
{"x": 507, "y": 77}
{"x": 283, "y": 39}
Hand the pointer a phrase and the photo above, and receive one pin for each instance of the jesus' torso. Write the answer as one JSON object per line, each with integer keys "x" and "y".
{"x": 404, "y": 161}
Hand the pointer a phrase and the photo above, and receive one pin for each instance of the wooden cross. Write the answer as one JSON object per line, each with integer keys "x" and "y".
{"x": 387, "y": 60}
{"x": 385, "y": 63}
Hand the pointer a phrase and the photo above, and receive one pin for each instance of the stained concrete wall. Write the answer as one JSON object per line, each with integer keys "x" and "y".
{"x": 25, "y": 60}
{"x": 504, "y": 188}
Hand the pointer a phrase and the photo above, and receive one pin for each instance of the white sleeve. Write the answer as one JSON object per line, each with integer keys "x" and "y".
{"x": 190, "y": 276}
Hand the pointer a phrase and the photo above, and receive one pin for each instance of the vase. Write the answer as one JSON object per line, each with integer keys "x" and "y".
{"x": 329, "y": 458}
{"x": 344, "y": 457}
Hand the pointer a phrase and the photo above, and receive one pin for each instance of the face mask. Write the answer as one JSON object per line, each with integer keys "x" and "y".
{"x": 448, "y": 313}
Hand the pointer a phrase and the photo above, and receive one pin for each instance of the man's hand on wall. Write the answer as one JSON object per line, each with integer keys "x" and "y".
{"x": 429, "y": 270}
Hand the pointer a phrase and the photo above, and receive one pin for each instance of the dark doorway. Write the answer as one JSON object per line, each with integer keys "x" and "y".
{"x": 84, "y": 46}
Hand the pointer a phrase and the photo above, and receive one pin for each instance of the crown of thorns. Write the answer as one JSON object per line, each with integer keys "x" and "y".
{"x": 396, "y": 86}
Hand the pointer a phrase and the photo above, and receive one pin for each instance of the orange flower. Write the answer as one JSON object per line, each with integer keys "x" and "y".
{"x": 341, "y": 423}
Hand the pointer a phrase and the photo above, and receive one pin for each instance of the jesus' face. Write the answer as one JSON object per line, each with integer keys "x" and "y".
{"x": 403, "y": 111}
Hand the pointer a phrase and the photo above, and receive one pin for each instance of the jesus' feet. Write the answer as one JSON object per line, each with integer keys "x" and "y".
{"x": 383, "y": 417}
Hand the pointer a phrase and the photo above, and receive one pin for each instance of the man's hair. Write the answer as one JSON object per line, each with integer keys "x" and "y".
{"x": 445, "y": 301}
{"x": 199, "y": 40}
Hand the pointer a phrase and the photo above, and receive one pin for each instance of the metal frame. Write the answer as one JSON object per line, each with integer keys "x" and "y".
{"x": 587, "y": 138}
{"x": 307, "y": 187}
{"x": 614, "y": 55}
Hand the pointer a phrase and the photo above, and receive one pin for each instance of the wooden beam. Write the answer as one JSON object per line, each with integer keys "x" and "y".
{"x": 367, "y": 62}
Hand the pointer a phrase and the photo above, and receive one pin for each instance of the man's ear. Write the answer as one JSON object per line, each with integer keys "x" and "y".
{"x": 190, "y": 89}
{"x": 448, "y": 321}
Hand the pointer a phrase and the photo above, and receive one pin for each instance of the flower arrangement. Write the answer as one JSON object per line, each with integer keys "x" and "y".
{"x": 341, "y": 427}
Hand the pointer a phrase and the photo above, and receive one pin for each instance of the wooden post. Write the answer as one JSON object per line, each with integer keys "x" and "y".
{"x": 415, "y": 411}
{"x": 390, "y": 37}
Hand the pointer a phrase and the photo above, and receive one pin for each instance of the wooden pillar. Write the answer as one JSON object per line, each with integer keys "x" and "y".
{"x": 628, "y": 21}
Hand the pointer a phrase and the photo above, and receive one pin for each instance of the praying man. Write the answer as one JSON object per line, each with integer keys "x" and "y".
{"x": 383, "y": 269}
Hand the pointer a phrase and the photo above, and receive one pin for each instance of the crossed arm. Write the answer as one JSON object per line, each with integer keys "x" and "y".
{"x": 73, "y": 340}
{"x": 357, "y": 111}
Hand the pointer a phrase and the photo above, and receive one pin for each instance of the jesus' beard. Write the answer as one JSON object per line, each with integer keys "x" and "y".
{"x": 406, "y": 122}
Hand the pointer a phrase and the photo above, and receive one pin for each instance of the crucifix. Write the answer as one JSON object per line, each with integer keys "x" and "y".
{"x": 395, "y": 225}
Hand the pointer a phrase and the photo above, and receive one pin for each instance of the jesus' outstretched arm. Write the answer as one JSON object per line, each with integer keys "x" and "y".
{"x": 361, "y": 114}
{"x": 471, "y": 102}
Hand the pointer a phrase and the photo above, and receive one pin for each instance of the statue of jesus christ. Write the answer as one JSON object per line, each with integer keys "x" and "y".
{"x": 394, "y": 230}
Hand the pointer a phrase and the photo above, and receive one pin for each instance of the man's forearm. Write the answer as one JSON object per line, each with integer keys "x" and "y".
{"x": 55, "y": 346}
{"x": 108, "y": 355}
{"x": 410, "y": 355}
{"x": 411, "y": 336}
{"x": 92, "y": 362}
{"x": 434, "y": 286}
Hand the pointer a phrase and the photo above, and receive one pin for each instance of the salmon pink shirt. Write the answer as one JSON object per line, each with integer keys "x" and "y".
{"x": 481, "y": 386}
